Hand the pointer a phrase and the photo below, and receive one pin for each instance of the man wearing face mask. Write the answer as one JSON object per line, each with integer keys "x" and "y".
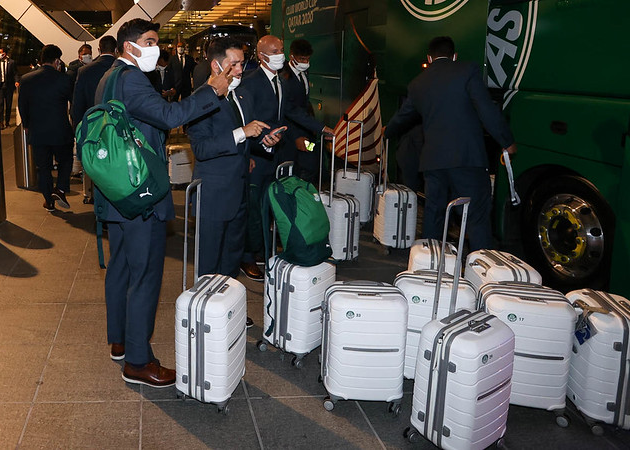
{"x": 43, "y": 104}
{"x": 162, "y": 77}
{"x": 452, "y": 103}
{"x": 220, "y": 141}
{"x": 9, "y": 80}
{"x": 183, "y": 66}
{"x": 295, "y": 73}
{"x": 137, "y": 246}
{"x": 85, "y": 57}
{"x": 268, "y": 93}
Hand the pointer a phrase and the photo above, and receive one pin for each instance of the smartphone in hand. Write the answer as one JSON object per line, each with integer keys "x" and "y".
{"x": 274, "y": 132}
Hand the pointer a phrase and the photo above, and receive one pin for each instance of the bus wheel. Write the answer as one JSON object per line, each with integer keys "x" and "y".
{"x": 567, "y": 233}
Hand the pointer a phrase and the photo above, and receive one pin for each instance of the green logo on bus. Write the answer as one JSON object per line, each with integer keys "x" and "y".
{"x": 432, "y": 10}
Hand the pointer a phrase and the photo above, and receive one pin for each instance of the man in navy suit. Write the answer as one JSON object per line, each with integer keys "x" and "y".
{"x": 295, "y": 73}
{"x": 137, "y": 246}
{"x": 183, "y": 66}
{"x": 268, "y": 93}
{"x": 88, "y": 78}
{"x": 220, "y": 141}
{"x": 162, "y": 77}
{"x": 43, "y": 104}
{"x": 9, "y": 80}
{"x": 452, "y": 103}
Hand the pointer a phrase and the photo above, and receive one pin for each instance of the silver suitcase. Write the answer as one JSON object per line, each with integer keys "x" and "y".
{"x": 210, "y": 331}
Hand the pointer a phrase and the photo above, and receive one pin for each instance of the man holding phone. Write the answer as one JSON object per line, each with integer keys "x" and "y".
{"x": 268, "y": 93}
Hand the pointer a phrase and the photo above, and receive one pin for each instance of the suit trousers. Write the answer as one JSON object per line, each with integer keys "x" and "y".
{"x": 221, "y": 243}
{"x": 444, "y": 185}
{"x": 132, "y": 284}
{"x": 6, "y": 103}
{"x": 44, "y": 160}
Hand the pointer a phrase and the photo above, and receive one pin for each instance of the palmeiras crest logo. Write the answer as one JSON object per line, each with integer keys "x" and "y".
{"x": 432, "y": 10}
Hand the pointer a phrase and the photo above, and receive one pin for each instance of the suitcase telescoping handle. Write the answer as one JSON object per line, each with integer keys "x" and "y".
{"x": 332, "y": 167}
{"x": 345, "y": 165}
{"x": 189, "y": 189}
{"x": 465, "y": 201}
{"x": 384, "y": 156}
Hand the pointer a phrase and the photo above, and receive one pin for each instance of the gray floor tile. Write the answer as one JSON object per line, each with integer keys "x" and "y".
{"x": 84, "y": 372}
{"x": 305, "y": 424}
{"x": 29, "y": 323}
{"x": 164, "y": 324}
{"x": 12, "y": 417}
{"x": 389, "y": 428}
{"x": 193, "y": 425}
{"x": 84, "y": 425}
{"x": 22, "y": 366}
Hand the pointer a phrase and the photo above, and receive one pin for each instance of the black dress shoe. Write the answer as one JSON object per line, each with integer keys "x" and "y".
{"x": 251, "y": 271}
{"x": 60, "y": 197}
{"x": 249, "y": 323}
{"x": 117, "y": 352}
{"x": 49, "y": 206}
{"x": 152, "y": 374}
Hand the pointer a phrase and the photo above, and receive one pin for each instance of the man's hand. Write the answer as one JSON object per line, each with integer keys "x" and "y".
{"x": 254, "y": 128}
{"x": 221, "y": 82}
{"x": 272, "y": 139}
{"x": 328, "y": 133}
{"x": 300, "y": 144}
{"x": 252, "y": 165}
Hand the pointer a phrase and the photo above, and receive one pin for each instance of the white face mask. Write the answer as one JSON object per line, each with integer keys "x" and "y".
{"x": 302, "y": 67}
{"x": 236, "y": 81}
{"x": 180, "y": 50}
{"x": 276, "y": 62}
{"x": 87, "y": 59}
{"x": 148, "y": 57}
{"x": 160, "y": 68}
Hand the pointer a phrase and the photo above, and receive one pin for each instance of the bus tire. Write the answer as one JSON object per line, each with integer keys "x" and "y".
{"x": 567, "y": 229}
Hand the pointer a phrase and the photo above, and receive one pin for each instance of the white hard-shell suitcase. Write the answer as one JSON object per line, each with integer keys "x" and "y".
{"x": 210, "y": 332}
{"x": 292, "y": 306}
{"x": 180, "y": 163}
{"x": 600, "y": 366}
{"x": 463, "y": 373}
{"x": 543, "y": 322}
{"x": 425, "y": 254}
{"x": 487, "y": 266}
{"x": 396, "y": 212}
{"x": 343, "y": 214}
{"x": 363, "y": 343}
{"x": 359, "y": 184}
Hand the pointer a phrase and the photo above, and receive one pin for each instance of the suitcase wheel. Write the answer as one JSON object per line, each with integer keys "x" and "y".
{"x": 181, "y": 396}
{"x": 223, "y": 409}
{"x": 561, "y": 420}
{"x": 412, "y": 435}
{"x": 298, "y": 363}
{"x": 262, "y": 346}
{"x": 500, "y": 443}
{"x": 329, "y": 405}
{"x": 394, "y": 408}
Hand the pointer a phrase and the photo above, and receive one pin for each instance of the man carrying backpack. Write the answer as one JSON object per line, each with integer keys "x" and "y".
{"x": 137, "y": 246}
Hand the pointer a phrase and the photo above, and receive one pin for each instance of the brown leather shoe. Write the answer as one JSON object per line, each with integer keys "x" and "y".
{"x": 251, "y": 271}
{"x": 151, "y": 374}
{"x": 117, "y": 352}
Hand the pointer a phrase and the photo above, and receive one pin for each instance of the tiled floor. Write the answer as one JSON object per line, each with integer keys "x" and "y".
{"x": 59, "y": 389}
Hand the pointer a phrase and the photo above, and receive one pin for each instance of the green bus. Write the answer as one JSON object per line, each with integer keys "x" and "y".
{"x": 559, "y": 70}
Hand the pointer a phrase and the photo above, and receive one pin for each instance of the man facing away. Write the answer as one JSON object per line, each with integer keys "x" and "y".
{"x": 9, "y": 80}
{"x": 43, "y": 104}
{"x": 452, "y": 103}
{"x": 89, "y": 77}
{"x": 137, "y": 246}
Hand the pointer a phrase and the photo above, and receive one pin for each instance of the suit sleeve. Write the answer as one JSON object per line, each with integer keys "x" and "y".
{"x": 145, "y": 104}
{"x": 79, "y": 103}
{"x": 211, "y": 136}
{"x": 489, "y": 113}
{"x": 405, "y": 118}
{"x": 301, "y": 117}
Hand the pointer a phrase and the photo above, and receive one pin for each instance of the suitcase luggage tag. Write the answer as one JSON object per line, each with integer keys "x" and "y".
{"x": 583, "y": 330}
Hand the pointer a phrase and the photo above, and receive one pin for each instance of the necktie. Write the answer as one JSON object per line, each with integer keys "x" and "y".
{"x": 237, "y": 112}
{"x": 277, "y": 88}
{"x": 182, "y": 58}
{"x": 304, "y": 83}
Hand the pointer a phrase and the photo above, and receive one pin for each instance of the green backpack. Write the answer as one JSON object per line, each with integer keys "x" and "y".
{"x": 301, "y": 219}
{"x": 117, "y": 157}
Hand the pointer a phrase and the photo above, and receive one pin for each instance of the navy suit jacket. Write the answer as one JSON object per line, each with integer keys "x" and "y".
{"x": 297, "y": 98}
{"x": 452, "y": 102}
{"x": 220, "y": 163}
{"x": 11, "y": 75}
{"x": 43, "y": 103}
{"x": 88, "y": 78}
{"x": 152, "y": 114}
{"x": 183, "y": 75}
{"x": 266, "y": 106}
